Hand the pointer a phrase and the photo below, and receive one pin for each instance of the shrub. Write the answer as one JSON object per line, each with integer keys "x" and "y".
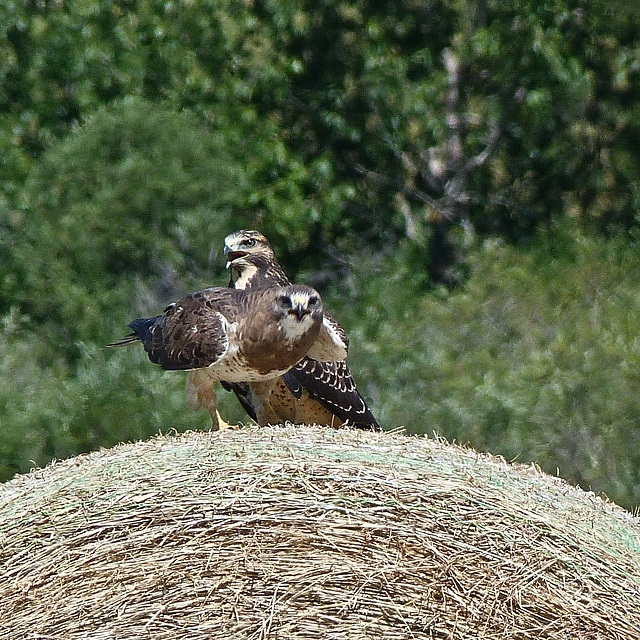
{"x": 50, "y": 411}
{"x": 537, "y": 358}
{"x": 126, "y": 209}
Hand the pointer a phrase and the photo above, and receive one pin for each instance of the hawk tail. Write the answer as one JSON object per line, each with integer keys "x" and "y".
{"x": 141, "y": 332}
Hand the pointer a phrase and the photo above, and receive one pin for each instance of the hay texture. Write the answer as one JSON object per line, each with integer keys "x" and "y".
{"x": 310, "y": 533}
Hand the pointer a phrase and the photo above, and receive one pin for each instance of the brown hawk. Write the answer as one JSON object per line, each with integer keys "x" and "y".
{"x": 249, "y": 336}
{"x": 320, "y": 392}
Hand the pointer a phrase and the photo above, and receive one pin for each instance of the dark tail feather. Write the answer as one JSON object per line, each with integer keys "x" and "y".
{"x": 141, "y": 332}
{"x": 123, "y": 342}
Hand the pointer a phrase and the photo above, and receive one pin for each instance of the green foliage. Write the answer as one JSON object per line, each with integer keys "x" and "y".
{"x": 350, "y": 120}
{"x": 134, "y": 136}
{"x": 117, "y": 190}
{"x": 51, "y": 411}
{"x": 116, "y": 220}
{"x": 130, "y": 204}
{"x": 536, "y": 359}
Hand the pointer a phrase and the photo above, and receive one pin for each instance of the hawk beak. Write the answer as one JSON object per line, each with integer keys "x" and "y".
{"x": 232, "y": 255}
{"x": 299, "y": 311}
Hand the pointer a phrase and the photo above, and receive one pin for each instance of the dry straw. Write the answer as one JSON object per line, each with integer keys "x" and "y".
{"x": 310, "y": 533}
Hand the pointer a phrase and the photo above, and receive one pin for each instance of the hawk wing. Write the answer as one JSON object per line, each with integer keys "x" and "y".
{"x": 192, "y": 332}
{"x": 243, "y": 336}
{"x": 332, "y": 385}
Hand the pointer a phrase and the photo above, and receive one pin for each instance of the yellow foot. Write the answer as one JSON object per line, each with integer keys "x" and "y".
{"x": 220, "y": 424}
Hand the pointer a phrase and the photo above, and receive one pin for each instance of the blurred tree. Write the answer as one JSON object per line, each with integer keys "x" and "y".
{"x": 134, "y": 201}
{"x": 536, "y": 358}
{"x": 454, "y": 118}
{"x": 116, "y": 220}
{"x": 361, "y": 123}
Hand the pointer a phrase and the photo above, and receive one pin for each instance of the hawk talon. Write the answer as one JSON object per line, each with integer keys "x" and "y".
{"x": 218, "y": 423}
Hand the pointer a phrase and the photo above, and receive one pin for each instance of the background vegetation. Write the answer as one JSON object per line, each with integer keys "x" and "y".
{"x": 458, "y": 178}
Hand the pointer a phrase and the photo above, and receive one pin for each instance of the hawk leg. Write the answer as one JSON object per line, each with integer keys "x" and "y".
{"x": 201, "y": 393}
{"x": 261, "y": 401}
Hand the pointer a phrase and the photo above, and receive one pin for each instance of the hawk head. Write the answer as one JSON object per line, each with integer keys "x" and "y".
{"x": 252, "y": 261}
{"x": 297, "y": 309}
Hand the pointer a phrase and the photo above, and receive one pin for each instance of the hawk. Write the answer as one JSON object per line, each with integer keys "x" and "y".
{"x": 319, "y": 391}
{"x": 251, "y": 336}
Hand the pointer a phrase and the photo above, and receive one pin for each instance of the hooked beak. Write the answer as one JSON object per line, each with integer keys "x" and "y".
{"x": 232, "y": 255}
{"x": 299, "y": 311}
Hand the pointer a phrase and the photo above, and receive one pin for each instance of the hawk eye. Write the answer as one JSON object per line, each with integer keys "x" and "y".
{"x": 249, "y": 242}
{"x": 313, "y": 301}
{"x": 285, "y": 301}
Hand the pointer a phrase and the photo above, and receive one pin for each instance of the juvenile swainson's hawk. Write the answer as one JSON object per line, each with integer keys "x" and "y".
{"x": 251, "y": 336}
{"x": 321, "y": 392}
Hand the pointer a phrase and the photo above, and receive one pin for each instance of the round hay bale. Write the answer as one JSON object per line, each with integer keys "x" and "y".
{"x": 299, "y": 532}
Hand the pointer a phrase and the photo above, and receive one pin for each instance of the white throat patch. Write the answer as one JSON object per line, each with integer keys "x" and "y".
{"x": 248, "y": 272}
{"x": 293, "y": 329}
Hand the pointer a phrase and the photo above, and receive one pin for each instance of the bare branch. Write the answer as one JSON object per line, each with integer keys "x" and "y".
{"x": 479, "y": 159}
{"x": 441, "y": 205}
